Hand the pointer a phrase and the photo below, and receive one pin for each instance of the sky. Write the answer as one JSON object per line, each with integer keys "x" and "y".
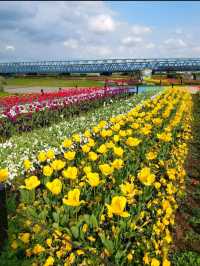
{"x": 62, "y": 30}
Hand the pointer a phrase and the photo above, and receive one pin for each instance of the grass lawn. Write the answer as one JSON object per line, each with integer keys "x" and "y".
{"x": 3, "y": 94}
{"x": 51, "y": 82}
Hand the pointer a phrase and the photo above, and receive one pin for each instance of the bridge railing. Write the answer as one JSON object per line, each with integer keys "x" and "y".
{"x": 95, "y": 66}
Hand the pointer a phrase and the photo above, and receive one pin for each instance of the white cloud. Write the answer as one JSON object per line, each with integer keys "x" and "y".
{"x": 101, "y": 24}
{"x": 50, "y": 30}
{"x": 71, "y": 43}
{"x": 96, "y": 51}
{"x": 103, "y": 51}
{"x": 196, "y": 49}
{"x": 150, "y": 45}
{"x": 175, "y": 43}
{"x": 178, "y": 31}
{"x": 10, "y": 48}
{"x": 129, "y": 41}
{"x": 138, "y": 30}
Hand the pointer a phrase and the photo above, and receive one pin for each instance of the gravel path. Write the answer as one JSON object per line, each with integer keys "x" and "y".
{"x": 30, "y": 89}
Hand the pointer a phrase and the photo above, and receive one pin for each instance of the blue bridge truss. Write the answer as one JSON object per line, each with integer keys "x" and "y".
{"x": 101, "y": 66}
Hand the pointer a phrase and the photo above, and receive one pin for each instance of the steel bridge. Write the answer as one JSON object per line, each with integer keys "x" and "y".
{"x": 101, "y": 66}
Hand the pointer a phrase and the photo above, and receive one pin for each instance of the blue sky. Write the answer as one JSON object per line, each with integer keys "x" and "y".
{"x": 159, "y": 13}
{"x": 45, "y": 30}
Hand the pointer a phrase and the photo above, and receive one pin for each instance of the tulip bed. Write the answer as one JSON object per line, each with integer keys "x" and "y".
{"x": 110, "y": 197}
{"x": 26, "y": 145}
{"x": 19, "y": 114}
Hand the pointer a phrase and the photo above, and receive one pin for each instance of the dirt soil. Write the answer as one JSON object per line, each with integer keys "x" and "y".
{"x": 187, "y": 234}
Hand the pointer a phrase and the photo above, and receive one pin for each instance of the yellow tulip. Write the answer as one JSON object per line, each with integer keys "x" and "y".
{"x": 151, "y": 155}
{"x": 70, "y": 155}
{"x": 76, "y": 137}
{"x": 117, "y": 164}
{"x": 118, "y": 151}
{"x": 87, "y": 134}
{"x": 71, "y": 172}
{"x": 110, "y": 145}
{"x": 128, "y": 189}
{"x": 96, "y": 129}
{"x": 27, "y": 164}
{"x": 72, "y": 199}
{"x": 130, "y": 257}
{"x": 135, "y": 126}
{"x": 50, "y": 154}
{"x": 166, "y": 137}
{"x": 49, "y": 261}
{"x": 146, "y": 177}
{"x": 166, "y": 262}
{"x": 106, "y": 169}
{"x": 117, "y": 207}
{"x": 133, "y": 142}
{"x": 171, "y": 172}
{"x": 157, "y": 185}
{"x": 3, "y": 175}
{"x": 38, "y": 249}
{"x": 93, "y": 179}
{"x": 49, "y": 242}
{"x": 102, "y": 149}
{"x": 31, "y": 183}
{"x": 91, "y": 142}
{"x": 92, "y": 156}
{"x": 103, "y": 133}
{"x": 70, "y": 260}
{"x": 24, "y": 237}
{"x": 146, "y": 130}
{"x": 85, "y": 148}
{"x": 166, "y": 204}
{"x": 87, "y": 169}
{"x": 122, "y": 133}
{"x": 102, "y": 124}
{"x": 58, "y": 165}
{"x": 14, "y": 245}
{"x": 155, "y": 262}
{"x": 47, "y": 170}
{"x": 85, "y": 228}
{"x": 55, "y": 186}
{"x": 80, "y": 252}
{"x": 67, "y": 143}
{"x": 146, "y": 258}
{"x": 116, "y": 127}
{"x": 116, "y": 138}
{"x": 42, "y": 156}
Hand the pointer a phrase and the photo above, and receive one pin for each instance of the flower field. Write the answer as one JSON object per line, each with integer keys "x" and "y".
{"x": 170, "y": 81}
{"x": 106, "y": 195}
{"x": 67, "y": 96}
{"x": 26, "y": 145}
{"x": 24, "y": 113}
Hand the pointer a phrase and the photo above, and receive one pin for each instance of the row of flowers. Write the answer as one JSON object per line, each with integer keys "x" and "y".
{"x": 161, "y": 81}
{"x": 18, "y": 148}
{"x": 110, "y": 197}
{"x": 46, "y": 111}
{"x": 170, "y": 81}
{"x": 12, "y": 100}
{"x": 16, "y": 105}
